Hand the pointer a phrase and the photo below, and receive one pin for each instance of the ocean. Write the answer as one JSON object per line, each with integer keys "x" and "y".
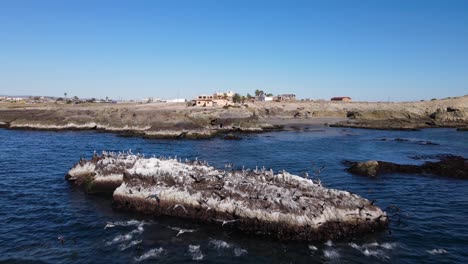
{"x": 44, "y": 219}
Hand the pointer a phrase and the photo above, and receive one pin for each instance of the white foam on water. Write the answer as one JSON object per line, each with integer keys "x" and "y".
{"x": 219, "y": 244}
{"x": 329, "y": 243}
{"x": 124, "y": 238}
{"x": 151, "y": 254}
{"x": 375, "y": 253}
{"x": 354, "y": 245}
{"x": 313, "y": 248}
{"x": 195, "y": 252}
{"x": 124, "y": 223}
{"x": 120, "y": 238}
{"x": 331, "y": 254}
{"x": 373, "y": 249}
{"x": 389, "y": 245}
{"x": 140, "y": 227}
{"x": 436, "y": 251}
{"x": 239, "y": 252}
{"x": 129, "y": 245}
{"x": 373, "y": 244}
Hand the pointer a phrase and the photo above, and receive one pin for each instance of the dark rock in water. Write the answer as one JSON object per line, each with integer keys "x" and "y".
{"x": 4, "y": 125}
{"x": 427, "y": 143}
{"x": 259, "y": 202}
{"x": 447, "y": 166}
{"x": 232, "y": 137}
{"x": 419, "y": 142}
{"x": 366, "y": 168}
{"x": 462, "y": 129}
{"x": 429, "y": 157}
{"x": 401, "y": 139}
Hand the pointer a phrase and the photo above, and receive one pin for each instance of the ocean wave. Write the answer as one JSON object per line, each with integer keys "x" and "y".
{"x": 239, "y": 252}
{"x": 436, "y": 251}
{"x": 150, "y": 254}
{"x": 125, "y": 223}
{"x": 331, "y": 254}
{"x": 374, "y": 249}
{"x": 123, "y": 238}
{"x": 123, "y": 247}
{"x": 195, "y": 252}
{"x": 219, "y": 244}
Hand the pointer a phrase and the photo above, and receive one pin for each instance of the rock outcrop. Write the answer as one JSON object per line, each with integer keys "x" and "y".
{"x": 260, "y": 202}
{"x": 101, "y": 174}
{"x": 406, "y": 119}
{"x": 447, "y": 166}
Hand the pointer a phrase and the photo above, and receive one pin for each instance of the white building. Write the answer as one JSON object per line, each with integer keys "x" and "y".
{"x": 263, "y": 98}
{"x": 177, "y": 100}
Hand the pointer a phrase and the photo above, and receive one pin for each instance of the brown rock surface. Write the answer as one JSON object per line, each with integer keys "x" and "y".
{"x": 260, "y": 202}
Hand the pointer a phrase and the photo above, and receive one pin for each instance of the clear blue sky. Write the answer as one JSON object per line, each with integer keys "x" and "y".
{"x": 369, "y": 50}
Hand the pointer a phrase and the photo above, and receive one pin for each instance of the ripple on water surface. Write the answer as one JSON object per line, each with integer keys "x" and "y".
{"x": 45, "y": 219}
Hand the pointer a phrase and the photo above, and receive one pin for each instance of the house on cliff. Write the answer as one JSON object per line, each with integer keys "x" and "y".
{"x": 263, "y": 98}
{"x": 217, "y": 99}
{"x": 285, "y": 97}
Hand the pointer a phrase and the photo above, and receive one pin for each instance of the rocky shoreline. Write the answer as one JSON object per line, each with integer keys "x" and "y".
{"x": 405, "y": 120}
{"x": 259, "y": 202}
{"x": 177, "y": 120}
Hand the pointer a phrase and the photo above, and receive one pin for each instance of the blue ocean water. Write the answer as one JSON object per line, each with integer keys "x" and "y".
{"x": 37, "y": 205}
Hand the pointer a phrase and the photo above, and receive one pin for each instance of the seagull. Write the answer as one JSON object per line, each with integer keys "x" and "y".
{"x": 181, "y": 231}
{"x": 181, "y": 206}
{"x": 226, "y": 221}
{"x": 109, "y": 225}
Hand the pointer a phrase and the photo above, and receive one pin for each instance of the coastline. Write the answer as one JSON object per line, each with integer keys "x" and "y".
{"x": 177, "y": 120}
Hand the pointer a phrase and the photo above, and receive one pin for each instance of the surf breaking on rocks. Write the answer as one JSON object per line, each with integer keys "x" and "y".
{"x": 261, "y": 202}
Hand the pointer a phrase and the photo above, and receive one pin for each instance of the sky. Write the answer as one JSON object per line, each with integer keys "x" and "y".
{"x": 374, "y": 50}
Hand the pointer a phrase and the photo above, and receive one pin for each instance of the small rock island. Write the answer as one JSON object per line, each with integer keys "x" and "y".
{"x": 260, "y": 202}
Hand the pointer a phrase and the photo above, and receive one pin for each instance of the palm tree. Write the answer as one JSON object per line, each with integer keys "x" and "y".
{"x": 65, "y": 95}
{"x": 258, "y": 92}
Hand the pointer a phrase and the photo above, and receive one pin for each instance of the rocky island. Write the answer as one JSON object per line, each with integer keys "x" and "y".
{"x": 258, "y": 201}
{"x": 178, "y": 120}
{"x": 447, "y": 166}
